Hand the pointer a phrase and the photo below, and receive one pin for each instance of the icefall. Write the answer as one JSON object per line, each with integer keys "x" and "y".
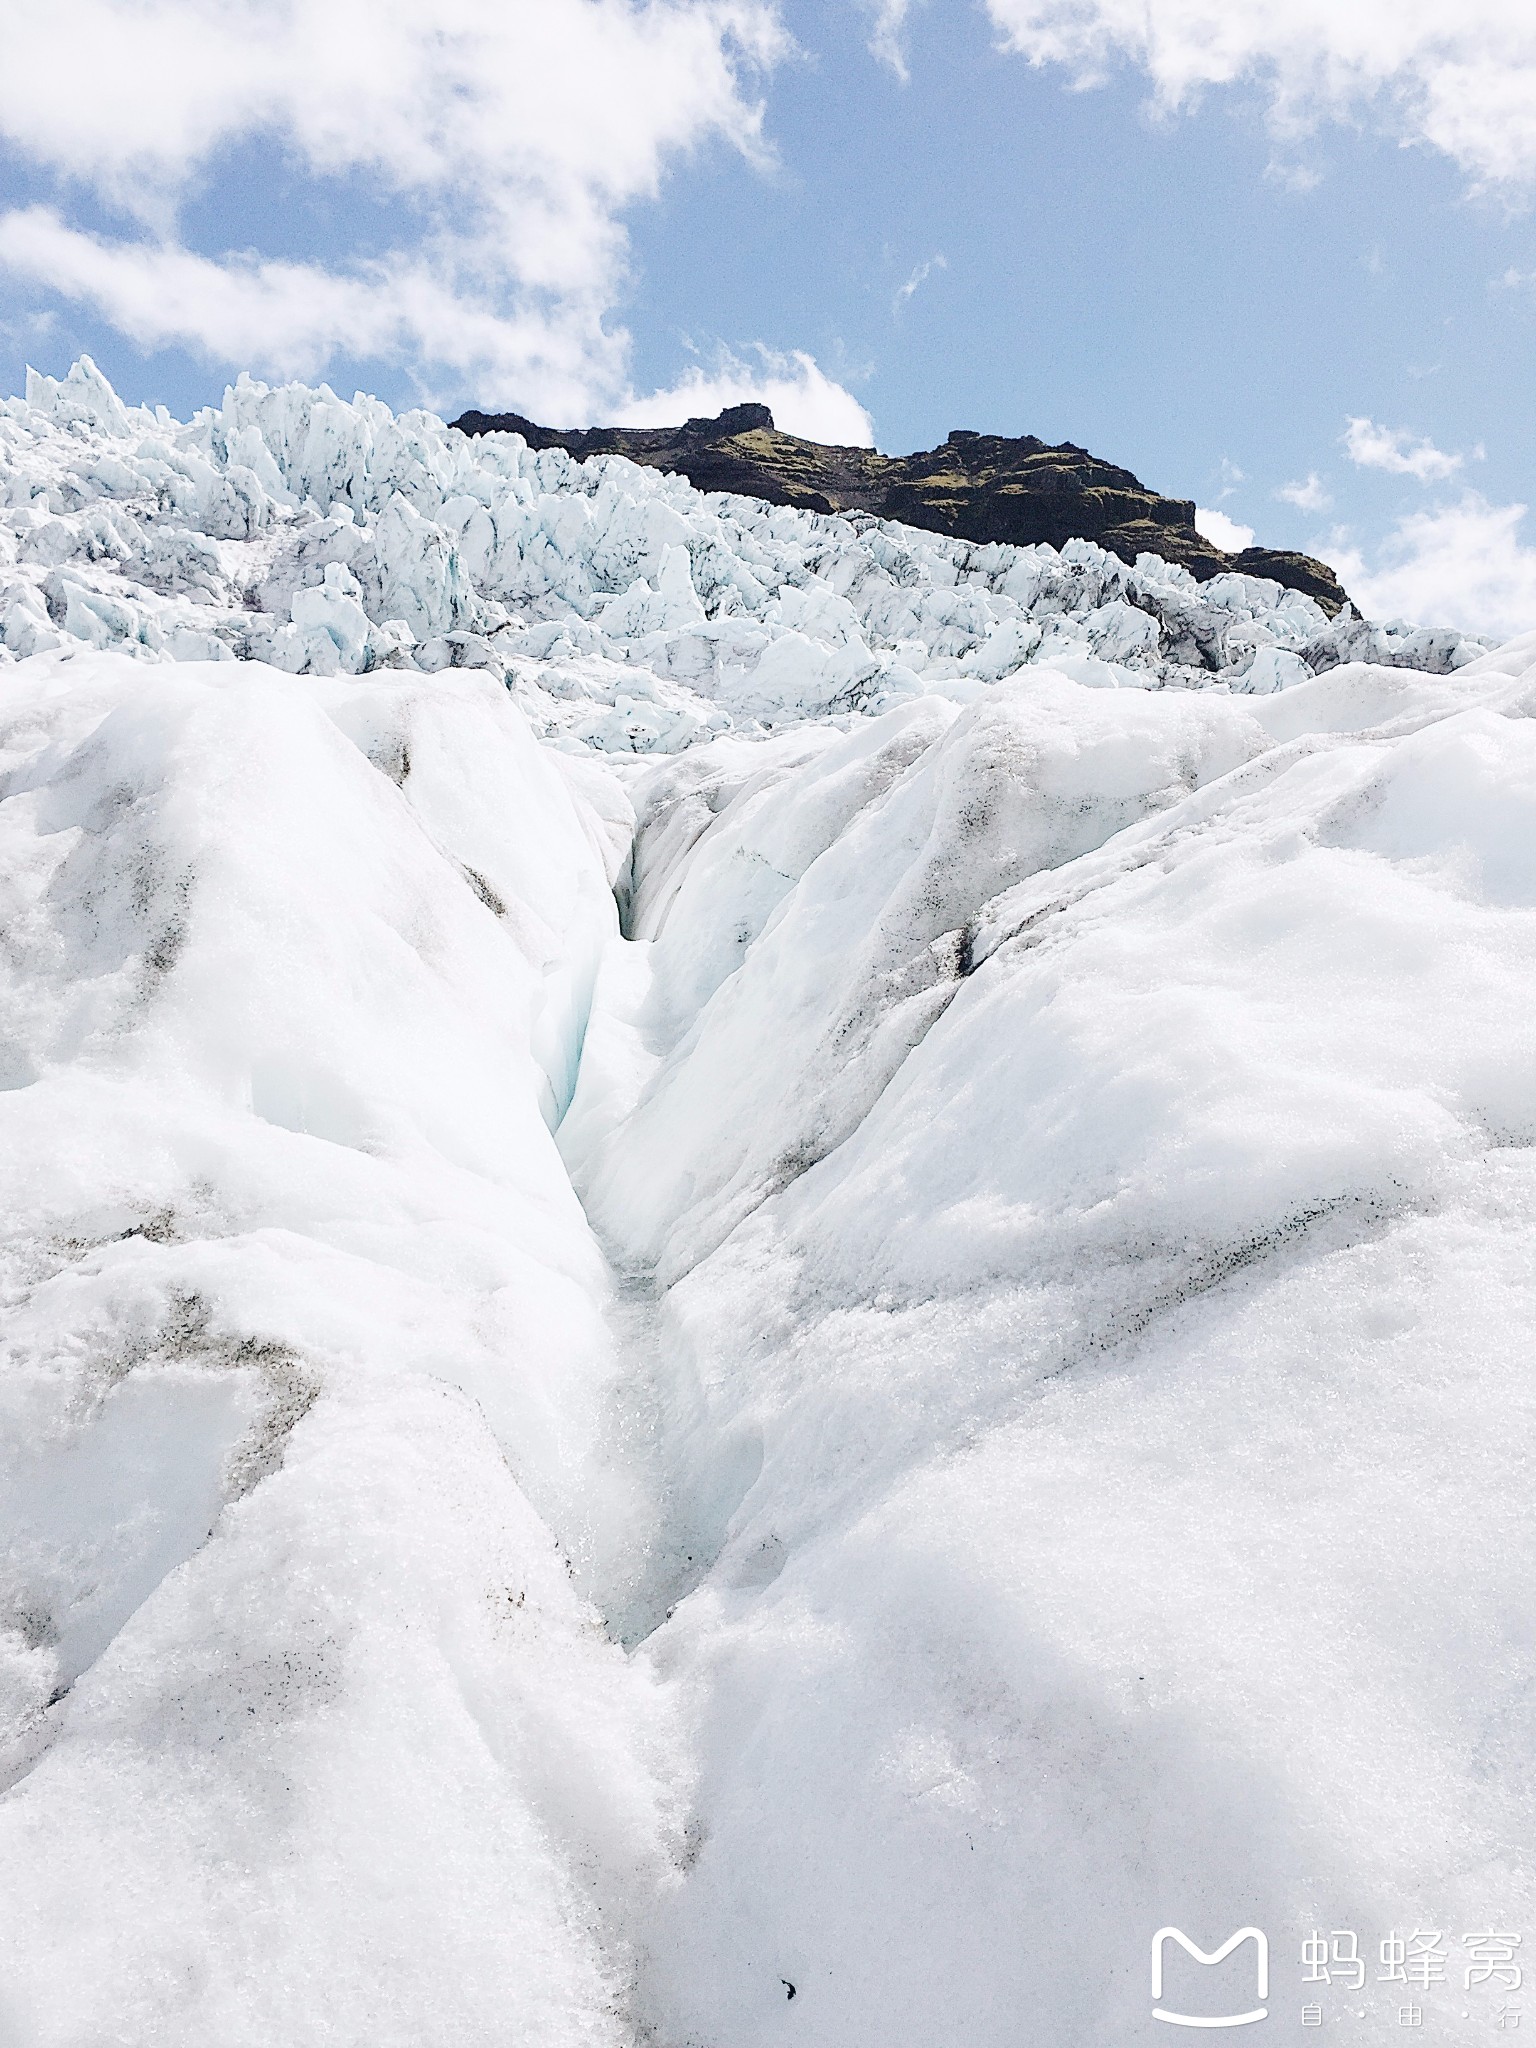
{"x": 624, "y": 609}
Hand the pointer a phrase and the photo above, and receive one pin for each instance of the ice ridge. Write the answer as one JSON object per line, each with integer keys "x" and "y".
{"x": 623, "y": 608}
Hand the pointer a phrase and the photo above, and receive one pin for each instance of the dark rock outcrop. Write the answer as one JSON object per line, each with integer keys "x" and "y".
{"x": 977, "y": 487}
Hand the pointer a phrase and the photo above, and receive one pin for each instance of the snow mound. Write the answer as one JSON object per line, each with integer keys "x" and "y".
{"x": 625, "y": 609}
{"x": 1086, "y": 1145}
{"x": 310, "y": 1733}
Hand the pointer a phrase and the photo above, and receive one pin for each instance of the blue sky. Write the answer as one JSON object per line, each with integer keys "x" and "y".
{"x": 1199, "y": 246}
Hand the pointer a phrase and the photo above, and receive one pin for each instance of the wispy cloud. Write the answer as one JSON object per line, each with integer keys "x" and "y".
{"x": 1463, "y": 565}
{"x": 1310, "y": 495}
{"x": 886, "y": 38}
{"x": 1395, "y": 450}
{"x": 291, "y": 319}
{"x": 919, "y": 277}
{"x": 1462, "y": 80}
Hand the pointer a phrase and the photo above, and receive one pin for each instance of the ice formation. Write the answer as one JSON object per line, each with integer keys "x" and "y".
{"x": 767, "y": 1319}
{"x": 624, "y": 608}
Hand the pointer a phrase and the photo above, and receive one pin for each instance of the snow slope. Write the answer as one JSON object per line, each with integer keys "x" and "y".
{"x": 953, "y": 1393}
{"x": 303, "y": 1339}
{"x": 1095, "y": 1209}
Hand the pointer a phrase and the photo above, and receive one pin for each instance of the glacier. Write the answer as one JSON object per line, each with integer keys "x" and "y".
{"x": 764, "y": 1277}
{"x": 625, "y": 610}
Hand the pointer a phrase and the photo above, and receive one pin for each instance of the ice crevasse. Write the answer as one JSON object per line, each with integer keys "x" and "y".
{"x": 708, "y": 1294}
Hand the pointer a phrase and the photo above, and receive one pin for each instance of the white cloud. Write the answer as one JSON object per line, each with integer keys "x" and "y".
{"x": 512, "y": 136}
{"x": 885, "y": 35}
{"x": 920, "y": 276}
{"x": 1221, "y": 531}
{"x": 803, "y": 399}
{"x": 1310, "y": 495}
{"x": 291, "y": 319}
{"x": 1393, "y": 449}
{"x": 1464, "y": 565}
{"x": 1461, "y": 79}
{"x": 541, "y": 117}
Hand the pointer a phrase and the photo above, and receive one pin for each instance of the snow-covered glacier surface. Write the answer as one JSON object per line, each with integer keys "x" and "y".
{"x": 763, "y": 1279}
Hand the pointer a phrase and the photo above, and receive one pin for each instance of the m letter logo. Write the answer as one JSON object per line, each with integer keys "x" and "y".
{"x": 1217, "y": 1955}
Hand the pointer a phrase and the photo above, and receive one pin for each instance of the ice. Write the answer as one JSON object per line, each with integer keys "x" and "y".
{"x": 309, "y": 1727}
{"x": 625, "y": 610}
{"x": 1117, "y": 1326}
{"x": 741, "y": 1252}
{"x": 862, "y": 939}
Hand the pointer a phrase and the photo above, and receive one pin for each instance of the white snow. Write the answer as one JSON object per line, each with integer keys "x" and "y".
{"x": 304, "y": 1337}
{"x": 954, "y": 1393}
{"x": 1127, "y": 1383}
